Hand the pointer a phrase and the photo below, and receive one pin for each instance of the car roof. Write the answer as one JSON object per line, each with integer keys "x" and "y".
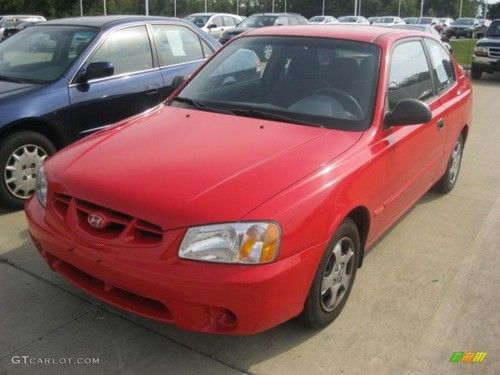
{"x": 108, "y": 21}
{"x": 336, "y": 31}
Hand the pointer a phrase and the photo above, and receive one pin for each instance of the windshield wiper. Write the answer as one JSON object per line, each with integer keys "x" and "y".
{"x": 257, "y": 113}
{"x": 201, "y": 106}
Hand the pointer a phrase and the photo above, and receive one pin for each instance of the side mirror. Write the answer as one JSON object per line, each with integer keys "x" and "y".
{"x": 177, "y": 81}
{"x": 408, "y": 112}
{"x": 95, "y": 70}
{"x": 212, "y": 26}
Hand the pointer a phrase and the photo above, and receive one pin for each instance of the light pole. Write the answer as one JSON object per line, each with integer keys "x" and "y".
{"x": 206, "y": 8}
{"x": 359, "y": 8}
{"x": 175, "y": 8}
{"x": 421, "y": 8}
{"x": 237, "y": 7}
{"x": 104, "y": 6}
{"x": 273, "y": 7}
{"x": 323, "y": 10}
{"x": 399, "y": 8}
{"x": 285, "y": 6}
{"x": 460, "y": 11}
{"x": 146, "y": 7}
{"x": 81, "y": 8}
{"x": 355, "y": 7}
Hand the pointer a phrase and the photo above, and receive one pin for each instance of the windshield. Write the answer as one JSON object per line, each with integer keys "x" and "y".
{"x": 347, "y": 19}
{"x": 317, "y": 19}
{"x": 311, "y": 81}
{"x": 464, "y": 21}
{"x": 198, "y": 19}
{"x": 41, "y": 54}
{"x": 387, "y": 20}
{"x": 424, "y": 21}
{"x": 494, "y": 29}
{"x": 258, "y": 21}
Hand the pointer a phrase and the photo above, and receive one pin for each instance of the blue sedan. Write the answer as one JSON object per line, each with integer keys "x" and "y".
{"x": 67, "y": 78}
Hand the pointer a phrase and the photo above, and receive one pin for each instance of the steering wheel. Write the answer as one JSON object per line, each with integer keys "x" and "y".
{"x": 344, "y": 98}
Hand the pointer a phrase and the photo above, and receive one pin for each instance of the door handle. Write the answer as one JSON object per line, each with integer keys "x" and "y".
{"x": 440, "y": 124}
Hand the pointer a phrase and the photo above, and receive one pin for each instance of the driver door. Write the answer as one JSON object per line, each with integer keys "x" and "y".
{"x": 134, "y": 86}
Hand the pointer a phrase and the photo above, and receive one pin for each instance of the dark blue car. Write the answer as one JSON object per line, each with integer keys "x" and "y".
{"x": 67, "y": 78}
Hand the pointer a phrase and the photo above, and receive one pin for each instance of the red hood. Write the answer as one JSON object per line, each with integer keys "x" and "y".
{"x": 178, "y": 167}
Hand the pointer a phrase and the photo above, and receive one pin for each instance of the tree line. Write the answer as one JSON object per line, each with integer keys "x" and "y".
{"x": 68, "y": 8}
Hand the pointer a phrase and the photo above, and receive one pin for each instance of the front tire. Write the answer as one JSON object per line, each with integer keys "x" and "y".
{"x": 21, "y": 155}
{"x": 475, "y": 73}
{"x": 450, "y": 177}
{"x": 334, "y": 277}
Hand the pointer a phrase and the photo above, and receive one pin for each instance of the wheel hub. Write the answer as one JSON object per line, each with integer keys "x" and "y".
{"x": 21, "y": 170}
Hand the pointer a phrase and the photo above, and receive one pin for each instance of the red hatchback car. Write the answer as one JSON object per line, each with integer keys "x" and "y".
{"x": 252, "y": 195}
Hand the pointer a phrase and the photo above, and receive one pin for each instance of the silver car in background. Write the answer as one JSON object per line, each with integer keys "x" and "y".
{"x": 214, "y": 24}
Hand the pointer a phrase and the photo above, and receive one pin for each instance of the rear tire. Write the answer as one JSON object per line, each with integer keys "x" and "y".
{"x": 21, "y": 154}
{"x": 450, "y": 177}
{"x": 334, "y": 277}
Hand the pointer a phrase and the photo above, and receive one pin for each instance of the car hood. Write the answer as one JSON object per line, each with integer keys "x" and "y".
{"x": 12, "y": 88}
{"x": 489, "y": 42}
{"x": 178, "y": 167}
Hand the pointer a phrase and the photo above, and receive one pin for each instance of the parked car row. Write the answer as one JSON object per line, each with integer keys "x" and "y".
{"x": 252, "y": 195}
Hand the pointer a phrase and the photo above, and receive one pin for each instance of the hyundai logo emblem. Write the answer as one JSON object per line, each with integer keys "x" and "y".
{"x": 96, "y": 221}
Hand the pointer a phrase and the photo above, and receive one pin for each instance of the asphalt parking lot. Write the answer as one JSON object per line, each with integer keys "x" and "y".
{"x": 428, "y": 289}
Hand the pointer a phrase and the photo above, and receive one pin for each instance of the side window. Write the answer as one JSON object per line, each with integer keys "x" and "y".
{"x": 442, "y": 67}
{"x": 282, "y": 21}
{"x": 229, "y": 21}
{"x": 128, "y": 50}
{"x": 409, "y": 75}
{"x": 177, "y": 44}
{"x": 293, "y": 20}
{"x": 218, "y": 21}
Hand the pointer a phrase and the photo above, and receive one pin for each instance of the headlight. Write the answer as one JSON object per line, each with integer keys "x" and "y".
{"x": 481, "y": 51}
{"x": 247, "y": 243}
{"x": 41, "y": 187}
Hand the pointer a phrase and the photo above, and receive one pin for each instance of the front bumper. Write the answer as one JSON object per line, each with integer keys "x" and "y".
{"x": 197, "y": 296}
{"x": 486, "y": 64}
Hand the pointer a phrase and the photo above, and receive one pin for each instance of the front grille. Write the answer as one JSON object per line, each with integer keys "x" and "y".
{"x": 494, "y": 52}
{"x": 119, "y": 227}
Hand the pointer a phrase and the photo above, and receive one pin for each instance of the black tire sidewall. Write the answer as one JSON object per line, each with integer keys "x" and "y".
{"x": 314, "y": 315}
{"x": 7, "y": 147}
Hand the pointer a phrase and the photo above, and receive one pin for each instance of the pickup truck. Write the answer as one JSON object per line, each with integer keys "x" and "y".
{"x": 486, "y": 56}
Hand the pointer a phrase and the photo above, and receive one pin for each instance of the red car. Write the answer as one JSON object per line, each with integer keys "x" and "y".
{"x": 253, "y": 194}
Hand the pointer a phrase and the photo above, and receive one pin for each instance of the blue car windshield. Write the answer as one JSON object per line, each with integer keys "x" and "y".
{"x": 41, "y": 54}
